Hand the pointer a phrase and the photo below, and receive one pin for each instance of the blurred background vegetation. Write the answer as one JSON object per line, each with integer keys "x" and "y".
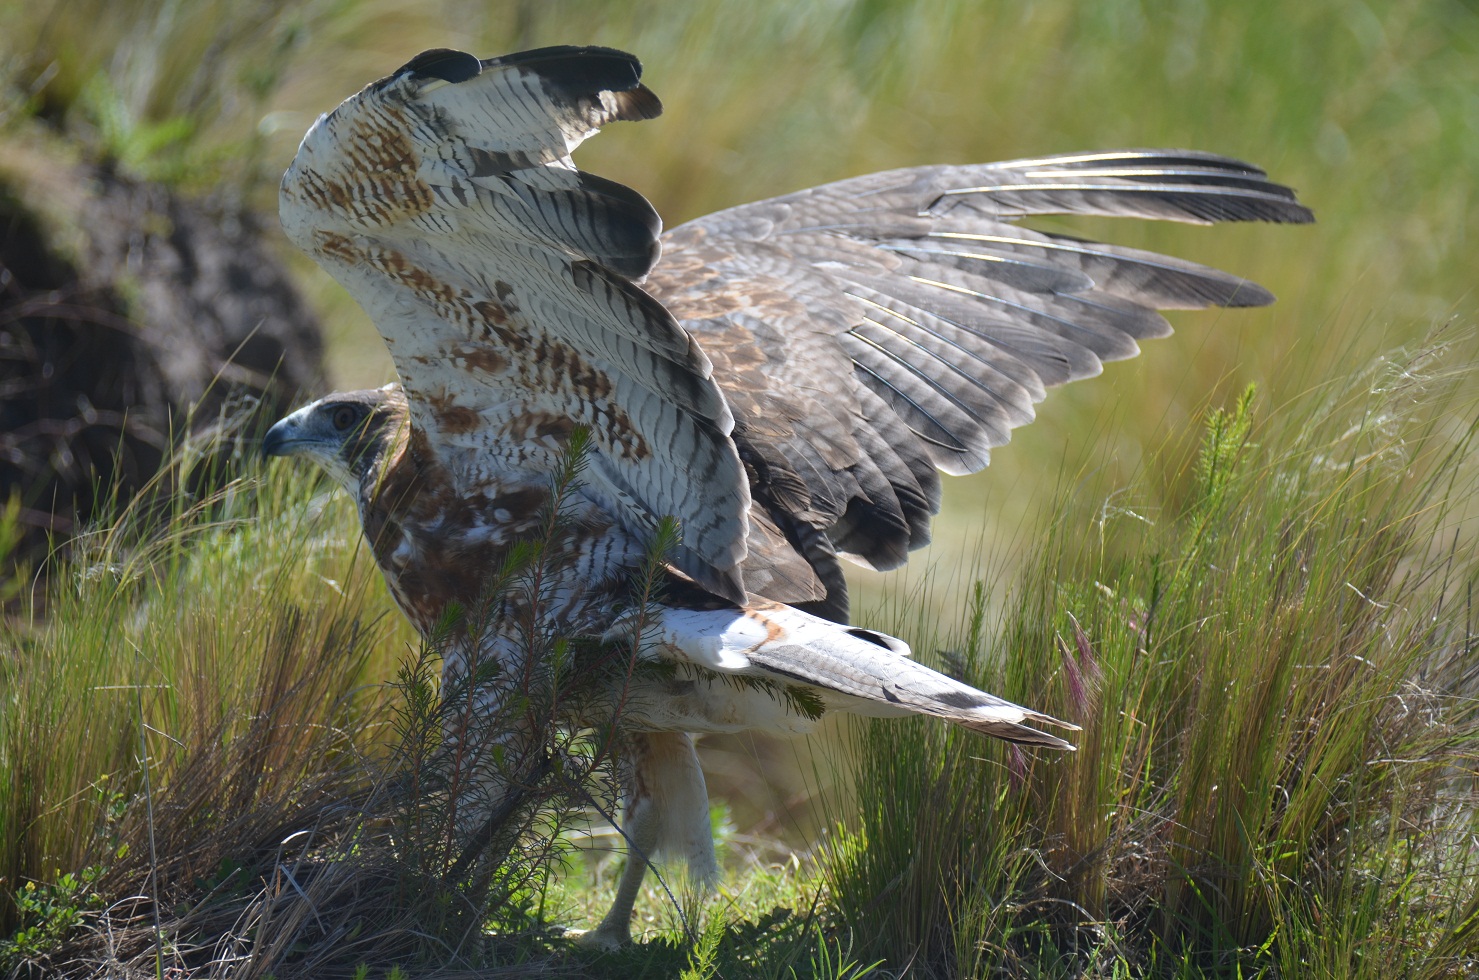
{"x": 1369, "y": 109}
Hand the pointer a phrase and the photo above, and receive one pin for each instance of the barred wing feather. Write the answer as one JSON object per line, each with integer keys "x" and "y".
{"x": 444, "y": 199}
{"x": 793, "y": 375}
{"x": 908, "y": 323}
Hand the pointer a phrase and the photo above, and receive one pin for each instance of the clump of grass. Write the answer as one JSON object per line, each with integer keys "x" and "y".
{"x": 181, "y": 691}
{"x": 1277, "y": 687}
{"x": 236, "y": 795}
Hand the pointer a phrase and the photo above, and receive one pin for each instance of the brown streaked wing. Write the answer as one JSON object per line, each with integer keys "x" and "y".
{"x": 908, "y": 323}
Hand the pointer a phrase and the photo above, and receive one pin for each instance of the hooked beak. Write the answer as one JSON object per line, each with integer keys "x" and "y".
{"x": 279, "y": 439}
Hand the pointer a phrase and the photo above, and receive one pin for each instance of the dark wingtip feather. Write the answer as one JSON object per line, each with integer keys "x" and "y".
{"x": 1247, "y": 294}
{"x": 1296, "y": 214}
{"x": 578, "y": 69}
{"x": 1098, "y": 159}
{"x": 574, "y": 72}
{"x": 635, "y": 105}
{"x": 446, "y": 64}
{"x": 1228, "y": 205}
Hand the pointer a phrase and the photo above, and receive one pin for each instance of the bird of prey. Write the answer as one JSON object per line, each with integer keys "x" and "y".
{"x": 786, "y": 379}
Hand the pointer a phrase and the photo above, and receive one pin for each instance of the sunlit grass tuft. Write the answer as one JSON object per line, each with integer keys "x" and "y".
{"x": 1277, "y": 687}
{"x": 195, "y": 685}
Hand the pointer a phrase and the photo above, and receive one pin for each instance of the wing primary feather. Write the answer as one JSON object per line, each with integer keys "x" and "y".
{"x": 1121, "y": 346}
{"x": 1099, "y": 158}
{"x": 944, "y": 440}
{"x": 1184, "y": 202}
{"x": 1158, "y": 280}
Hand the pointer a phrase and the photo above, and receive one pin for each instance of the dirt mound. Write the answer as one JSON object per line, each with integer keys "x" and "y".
{"x": 129, "y": 315}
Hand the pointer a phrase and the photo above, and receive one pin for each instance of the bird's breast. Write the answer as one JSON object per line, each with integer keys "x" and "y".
{"x": 442, "y": 551}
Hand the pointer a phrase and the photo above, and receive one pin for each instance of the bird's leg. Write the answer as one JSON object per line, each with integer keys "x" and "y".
{"x": 667, "y": 806}
{"x": 641, "y": 832}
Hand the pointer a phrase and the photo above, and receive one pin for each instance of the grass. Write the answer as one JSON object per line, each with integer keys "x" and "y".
{"x": 1261, "y": 617}
{"x": 1276, "y": 682}
{"x": 1277, "y": 772}
{"x": 170, "y": 696}
{"x": 232, "y": 788}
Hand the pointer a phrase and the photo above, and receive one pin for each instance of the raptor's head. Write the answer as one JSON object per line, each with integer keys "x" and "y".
{"x": 345, "y": 433}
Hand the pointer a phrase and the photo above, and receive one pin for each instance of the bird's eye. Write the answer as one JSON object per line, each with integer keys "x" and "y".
{"x": 344, "y": 417}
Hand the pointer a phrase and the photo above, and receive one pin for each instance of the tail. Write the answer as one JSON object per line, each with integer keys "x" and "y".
{"x": 863, "y": 671}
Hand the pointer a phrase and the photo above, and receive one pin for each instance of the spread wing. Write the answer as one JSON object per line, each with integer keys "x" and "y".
{"x": 873, "y": 332}
{"x": 444, "y": 199}
{"x": 829, "y": 351}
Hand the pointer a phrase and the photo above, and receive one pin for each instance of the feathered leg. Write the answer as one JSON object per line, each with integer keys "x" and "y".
{"x": 666, "y": 810}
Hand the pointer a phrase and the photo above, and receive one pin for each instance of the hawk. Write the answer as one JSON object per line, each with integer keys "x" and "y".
{"x": 787, "y": 379}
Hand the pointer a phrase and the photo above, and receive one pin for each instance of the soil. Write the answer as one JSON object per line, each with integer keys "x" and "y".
{"x": 137, "y": 318}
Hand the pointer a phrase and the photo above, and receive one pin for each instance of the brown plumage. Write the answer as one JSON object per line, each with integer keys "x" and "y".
{"x": 787, "y": 379}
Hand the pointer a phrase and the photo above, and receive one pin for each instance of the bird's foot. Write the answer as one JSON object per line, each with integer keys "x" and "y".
{"x": 604, "y": 938}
